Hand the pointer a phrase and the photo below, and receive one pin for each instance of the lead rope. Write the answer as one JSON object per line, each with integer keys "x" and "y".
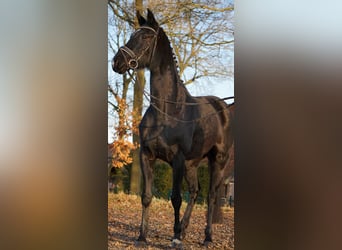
{"x": 184, "y": 121}
{"x": 186, "y": 103}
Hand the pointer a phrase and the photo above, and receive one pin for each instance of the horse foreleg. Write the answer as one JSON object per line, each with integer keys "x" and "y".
{"x": 176, "y": 198}
{"x": 216, "y": 176}
{"x": 147, "y": 172}
{"x": 192, "y": 181}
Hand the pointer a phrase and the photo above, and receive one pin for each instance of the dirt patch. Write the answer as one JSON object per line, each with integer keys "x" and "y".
{"x": 124, "y": 215}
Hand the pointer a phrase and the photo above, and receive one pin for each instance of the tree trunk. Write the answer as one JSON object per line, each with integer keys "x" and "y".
{"x": 228, "y": 174}
{"x": 135, "y": 184}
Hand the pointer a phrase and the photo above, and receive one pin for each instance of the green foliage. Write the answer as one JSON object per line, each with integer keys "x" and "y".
{"x": 120, "y": 178}
{"x": 203, "y": 178}
{"x": 162, "y": 182}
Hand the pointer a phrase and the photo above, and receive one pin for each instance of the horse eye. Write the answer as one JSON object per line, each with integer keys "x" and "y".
{"x": 145, "y": 36}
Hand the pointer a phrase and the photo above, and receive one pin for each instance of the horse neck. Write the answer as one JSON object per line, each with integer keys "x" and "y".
{"x": 165, "y": 84}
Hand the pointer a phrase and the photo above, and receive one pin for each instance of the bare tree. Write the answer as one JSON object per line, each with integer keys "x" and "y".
{"x": 124, "y": 12}
{"x": 201, "y": 34}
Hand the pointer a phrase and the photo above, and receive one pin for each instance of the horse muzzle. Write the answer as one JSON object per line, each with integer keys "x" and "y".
{"x": 119, "y": 67}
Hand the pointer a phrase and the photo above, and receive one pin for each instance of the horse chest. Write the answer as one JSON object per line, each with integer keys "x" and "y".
{"x": 162, "y": 150}
{"x": 167, "y": 142}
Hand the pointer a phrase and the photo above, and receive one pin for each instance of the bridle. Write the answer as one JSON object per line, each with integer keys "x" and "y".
{"x": 133, "y": 62}
{"x": 171, "y": 117}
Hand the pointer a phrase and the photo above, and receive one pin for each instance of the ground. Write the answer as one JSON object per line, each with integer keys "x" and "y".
{"x": 124, "y": 215}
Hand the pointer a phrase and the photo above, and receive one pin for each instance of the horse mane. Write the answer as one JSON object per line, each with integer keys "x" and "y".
{"x": 168, "y": 52}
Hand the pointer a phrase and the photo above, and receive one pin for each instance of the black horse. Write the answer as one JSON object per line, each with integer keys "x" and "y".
{"x": 177, "y": 127}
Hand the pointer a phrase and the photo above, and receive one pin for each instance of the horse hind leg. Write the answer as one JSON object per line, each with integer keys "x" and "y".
{"x": 216, "y": 169}
{"x": 192, "y": 181}
{"x": 146, "y": 165}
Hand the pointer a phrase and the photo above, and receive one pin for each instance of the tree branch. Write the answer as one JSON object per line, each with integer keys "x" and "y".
{"x": 116, "y": 108}
{"x": 126, "y": 17}
{"x": 206, "y": 7}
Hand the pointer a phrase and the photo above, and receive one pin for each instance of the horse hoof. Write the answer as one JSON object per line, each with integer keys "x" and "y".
{"x": 140, "y": 243}
{"x": 177, "y": 244}
{"x": 207, "y": 243}
{"x": 182, "y": 236}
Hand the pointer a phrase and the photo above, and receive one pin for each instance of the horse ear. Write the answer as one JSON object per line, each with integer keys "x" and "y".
{"x": 141, "y": 19}
{"x": 150, "y": 19}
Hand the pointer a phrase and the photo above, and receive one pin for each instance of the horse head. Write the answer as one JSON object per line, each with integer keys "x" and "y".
{"x": 137, "y": 53}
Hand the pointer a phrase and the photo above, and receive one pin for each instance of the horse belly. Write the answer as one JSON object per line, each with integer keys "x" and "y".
{"x": 204, "y": 139}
